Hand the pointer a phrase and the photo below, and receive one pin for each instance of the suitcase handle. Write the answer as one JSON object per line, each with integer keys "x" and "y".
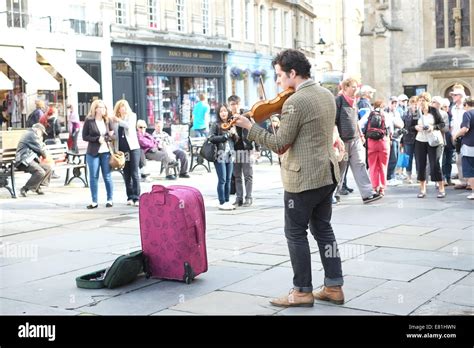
{"x": 196, "y": 234}
{"x": 161, "y": 191}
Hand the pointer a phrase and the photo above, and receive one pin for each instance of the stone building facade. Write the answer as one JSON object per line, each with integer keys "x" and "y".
{"x": 412, "y": 46}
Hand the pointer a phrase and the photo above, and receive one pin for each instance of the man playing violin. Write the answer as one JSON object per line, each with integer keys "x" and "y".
{"x": 310, "y": 173}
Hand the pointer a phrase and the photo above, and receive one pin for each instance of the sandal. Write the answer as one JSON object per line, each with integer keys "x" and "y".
{"x": 441, "y": 195}
{"x": 422, "y": 195}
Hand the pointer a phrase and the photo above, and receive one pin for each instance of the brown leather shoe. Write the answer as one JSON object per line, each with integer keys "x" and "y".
{"x": 333, "y": 294}
{"x": 294, "y": 299}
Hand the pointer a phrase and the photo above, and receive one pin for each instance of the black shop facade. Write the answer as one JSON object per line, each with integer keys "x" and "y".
{"x": 164, "y": 83}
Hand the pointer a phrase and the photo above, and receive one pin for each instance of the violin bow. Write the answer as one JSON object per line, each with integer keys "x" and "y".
{"x": 262, "y": 87}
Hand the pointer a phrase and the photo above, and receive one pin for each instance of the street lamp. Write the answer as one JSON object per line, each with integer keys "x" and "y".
{"x": 321, "y": 44}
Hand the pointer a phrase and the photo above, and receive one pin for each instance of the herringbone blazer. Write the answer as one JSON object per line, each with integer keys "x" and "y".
{"x": 305, "y": 138}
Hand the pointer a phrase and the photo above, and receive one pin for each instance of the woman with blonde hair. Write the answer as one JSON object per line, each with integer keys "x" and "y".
{"x": 124, "y": 123}
{"x": 428, "y": 120}
{"x": 97, "y": 131}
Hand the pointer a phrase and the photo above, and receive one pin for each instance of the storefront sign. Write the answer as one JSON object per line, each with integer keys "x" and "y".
{"x": 190, "y": 54}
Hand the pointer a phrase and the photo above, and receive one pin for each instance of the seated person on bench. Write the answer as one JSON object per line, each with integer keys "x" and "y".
{"x": 27, "y": 159}
{"x": 165, "y": 140}
{"x": 152, "y": 149}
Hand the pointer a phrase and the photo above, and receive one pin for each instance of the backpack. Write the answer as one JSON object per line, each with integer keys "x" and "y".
{"x": 376, "y": 129}
{"x": 30, "y": 121}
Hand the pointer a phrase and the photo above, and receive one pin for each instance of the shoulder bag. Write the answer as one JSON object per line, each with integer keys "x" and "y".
{"x": 208, "y": 151}
{"x": 435, "y": 137}
{"x": 117, "y": 159}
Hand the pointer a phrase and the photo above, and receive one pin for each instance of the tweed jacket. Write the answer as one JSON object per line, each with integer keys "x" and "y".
{"x": 305, "y": 138}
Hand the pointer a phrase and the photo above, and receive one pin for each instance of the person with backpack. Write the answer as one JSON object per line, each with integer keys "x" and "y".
{"x": 51, "y": 122}
{"x": 35, "y": 116}
{"x": 378, "y": 144}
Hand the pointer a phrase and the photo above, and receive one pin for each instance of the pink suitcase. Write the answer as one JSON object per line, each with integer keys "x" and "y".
{"x": 173, "y": 232}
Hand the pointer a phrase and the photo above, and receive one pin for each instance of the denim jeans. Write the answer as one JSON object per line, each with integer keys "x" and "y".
{"x": 224, "y": 175}
{"x": 201, "y": 132}
{"x": 392, "y": 160}
{"x": 313, "y": 207}
{"x": 410, "y": 151}
{"x": 131, "y": 175}
{"x": 447, "y": 162}
{"x": 94, "y": 163}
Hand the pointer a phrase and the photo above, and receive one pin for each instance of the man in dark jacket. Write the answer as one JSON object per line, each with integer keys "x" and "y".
{"x": 243, "y": 161}
{"x": 30, "y": 148}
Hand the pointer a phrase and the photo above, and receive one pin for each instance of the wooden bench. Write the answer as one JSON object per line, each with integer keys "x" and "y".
{"x": 195, "y": 145}
{"x": 59, "y": 153}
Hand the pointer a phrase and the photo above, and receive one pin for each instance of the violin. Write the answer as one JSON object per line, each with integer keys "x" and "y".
{"x": 264, "y": 109}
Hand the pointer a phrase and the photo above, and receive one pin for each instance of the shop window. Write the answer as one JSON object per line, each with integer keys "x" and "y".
{"x": 162, "y": 96}
{"x": 411, "y": 91}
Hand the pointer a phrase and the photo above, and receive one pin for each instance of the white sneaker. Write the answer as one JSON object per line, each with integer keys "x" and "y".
{"x": 229, "y": 205}
{"x": 393, "y": 182}
{"x": 129, "y": 202}
{"x": 224, "y": 207}
{"x": 471, "y": 196}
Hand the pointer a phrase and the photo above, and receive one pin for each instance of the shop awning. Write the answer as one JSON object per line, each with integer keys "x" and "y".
{"x": 28, "y": 68}
{"x": 5, "y": 82}
{"x": 73, "y": 73}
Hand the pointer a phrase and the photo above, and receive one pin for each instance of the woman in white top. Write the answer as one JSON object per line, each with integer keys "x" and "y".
{"x": 124, "y": 123}
{"x": 427, "y": 121}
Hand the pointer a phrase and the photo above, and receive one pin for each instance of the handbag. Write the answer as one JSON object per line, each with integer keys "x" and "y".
{"x": 117, "y": 159}
{"x": 208, "y": 151}
{"x": 435, "y": 138}
{"x": 402, "y": 161}
{"x": 124, "y": 270}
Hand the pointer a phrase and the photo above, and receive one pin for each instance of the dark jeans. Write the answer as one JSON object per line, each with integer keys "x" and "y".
{"x": 447, "y": 162}
{"x": 243, "y": 166}
{"x": 224, "y": 175}
{"x": 132, "y": 176}
{"x": 313, "y": 207}
{"x": 183, "y": 159}
{"x": 410, "y": 151}
{"x": 393, "y": 159}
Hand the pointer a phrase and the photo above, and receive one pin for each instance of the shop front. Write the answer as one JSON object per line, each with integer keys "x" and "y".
{"x": 164, "y": 83}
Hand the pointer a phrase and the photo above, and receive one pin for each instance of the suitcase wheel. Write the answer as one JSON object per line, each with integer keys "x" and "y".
{"x": 188, "y": 273}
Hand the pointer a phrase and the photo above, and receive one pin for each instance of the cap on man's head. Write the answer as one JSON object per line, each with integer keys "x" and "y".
{"x": 366, "y": 89}
{"x": 393, "y": 99}
{"x": 458, "y": 91}
{"x": 40, "y": 127}
{"x": 402, "y": 97}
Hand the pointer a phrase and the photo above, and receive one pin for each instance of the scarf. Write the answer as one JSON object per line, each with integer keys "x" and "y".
{"x": 349, "y": 100}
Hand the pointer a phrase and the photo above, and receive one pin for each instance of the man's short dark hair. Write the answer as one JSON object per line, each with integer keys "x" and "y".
{"x": 293, "y": 59}
{"x": 233, "y": 98}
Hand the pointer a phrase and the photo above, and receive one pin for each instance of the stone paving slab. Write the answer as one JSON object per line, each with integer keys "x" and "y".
{"x": 61, "y": 291}
{"x": 436, "y": 259}
{"x": 259, "y": 238}
{"x": 227, "y": 303}
{"x": 460, "y": 247}
{"x": 12, "y": 253}
{"x": 227, "y": 244}
{"x": 214, "y": 255}
{"x": 468, "y": 281}
{"x": 379, "y": 215}
{"x": 20, "y": 273}
{"x": 316, "y": 265}
{"x": 348, "y": 231}
{"x": 355, "y": 286}
{"x": 270, "y": 249}
{"x": 171, "y": 312}
{"x": 401, "y": 241}
{"x": 242, "y": 265}
{"x": 462, "y": 295}
{"x": 443, "y": 308}
{"x": 14, "y": 227}
{"x": 272, "y": 283}
{"x": 259, "y": 259}
{"x": 321, "y": 309}
{"x": 466, "y": 234}
{"x": 383, "y": 270}
{"x": 165, "y": 294}
{"x": 13, "y": 307}
{"x": 401, "y": 298}
{"x": 409, "y": 230}
{"x": 223, "y": 234}
{"x": 442, "y": 223}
